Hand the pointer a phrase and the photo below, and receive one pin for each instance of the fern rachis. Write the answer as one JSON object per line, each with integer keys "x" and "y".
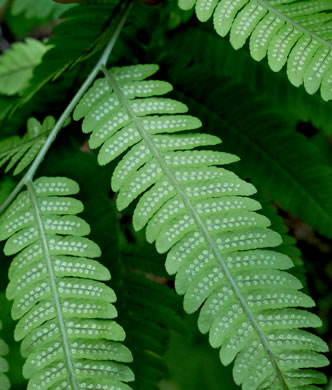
{"x": 65, "y": 313}
{"x": 200, "y": 213}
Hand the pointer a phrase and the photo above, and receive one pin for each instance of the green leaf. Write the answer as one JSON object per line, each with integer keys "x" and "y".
{"x": 18, "y": 63}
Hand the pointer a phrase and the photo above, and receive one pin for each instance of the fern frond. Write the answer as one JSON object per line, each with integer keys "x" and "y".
{"x": 18, "y": 63}
{"x": 201, "y": 214}
{"x": 22, "y": 151}
{"x": 294, "y": 32}
{"x": 41, "y": 9}
{"x": 4, "y": 381}
{"x": 66, "y": 315}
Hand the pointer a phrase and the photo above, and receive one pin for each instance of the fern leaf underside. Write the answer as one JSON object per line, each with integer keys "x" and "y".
{"x": 201, "y": 214}
{"x": 66, "y": 314}
{"x": 4, "y": 381}
{"x": 294, "y": 32}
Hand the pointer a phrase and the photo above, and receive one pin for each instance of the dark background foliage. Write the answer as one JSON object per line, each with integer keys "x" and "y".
{"x": 281, "y": 134}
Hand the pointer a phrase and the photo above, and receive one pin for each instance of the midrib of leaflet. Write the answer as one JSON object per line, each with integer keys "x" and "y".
{"x": 200, "y": 223}
{"x": 46, "y": 251}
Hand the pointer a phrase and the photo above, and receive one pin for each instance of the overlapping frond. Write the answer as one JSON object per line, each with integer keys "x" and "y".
{"x": 21, "y": 152}
{"x": 201, "y": 214}
{"x": 17, "y": 65}
{"x": 65, "y": 312}
{"x": 4, "y": 381}
{"x": 287, "y": 31}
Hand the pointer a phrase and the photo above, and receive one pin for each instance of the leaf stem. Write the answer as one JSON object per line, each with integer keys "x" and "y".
{"x": 59, "y": 124}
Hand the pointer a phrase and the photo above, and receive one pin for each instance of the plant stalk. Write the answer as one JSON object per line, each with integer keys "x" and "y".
{"x": 59, "y": 124}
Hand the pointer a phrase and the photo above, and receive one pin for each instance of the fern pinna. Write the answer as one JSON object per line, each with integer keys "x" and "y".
{"x": 296, "y": 32}
{"x": 201, "y": 214}
{"x": 65, "y": 312}
{"x": 4, "y": 381}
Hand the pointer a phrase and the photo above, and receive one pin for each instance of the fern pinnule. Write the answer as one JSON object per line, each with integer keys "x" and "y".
{"x": 294, "y": 32}
{"x": 66, "y": 315}
{"x": 199, "y": 212}
{"x": 4, "y": 381}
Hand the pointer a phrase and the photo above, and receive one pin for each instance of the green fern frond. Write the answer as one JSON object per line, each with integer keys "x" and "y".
{"x": 18, "y": 63}
{"x": 66, "y": 315}
{"x": 294, "y": 32}
{"x": 41, "y": 9}
{"x": 201, "y": 214}
{"x": 4, "y": 381}
{"x": 22, "y": 151}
